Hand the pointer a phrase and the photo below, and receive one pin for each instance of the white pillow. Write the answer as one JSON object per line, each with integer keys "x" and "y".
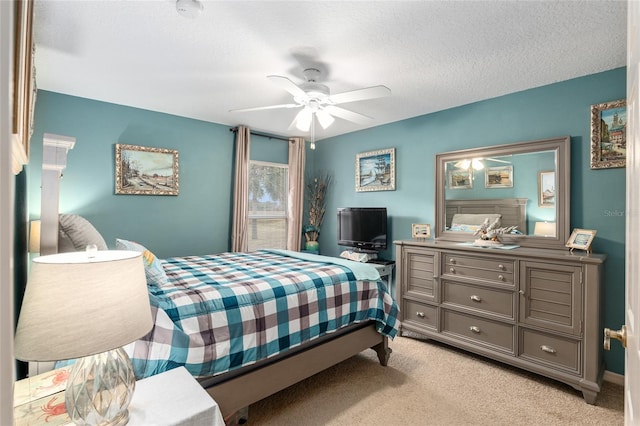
{"x": 75, "y": 233}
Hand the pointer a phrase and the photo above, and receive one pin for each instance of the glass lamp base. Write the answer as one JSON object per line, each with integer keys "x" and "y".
{"x": 100, "y": 388}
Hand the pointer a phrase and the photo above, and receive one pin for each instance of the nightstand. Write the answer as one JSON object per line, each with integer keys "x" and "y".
{"x": 170, "y": 398}
{"x": 386, "y": 274}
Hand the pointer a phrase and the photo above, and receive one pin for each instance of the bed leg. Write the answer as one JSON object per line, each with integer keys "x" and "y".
{"x": 383, "y": 350}
{"x": 240, "y": 417}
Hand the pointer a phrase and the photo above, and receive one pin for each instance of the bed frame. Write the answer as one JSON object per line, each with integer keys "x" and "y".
{"x": 236, "y": 390}
{"x": 513, "y": 210}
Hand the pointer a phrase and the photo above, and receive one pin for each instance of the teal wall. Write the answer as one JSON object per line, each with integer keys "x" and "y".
{"x": 198, "y": 220}
{"x": 597, "y": 196}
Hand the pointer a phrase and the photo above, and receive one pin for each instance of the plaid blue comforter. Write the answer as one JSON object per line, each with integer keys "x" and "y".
{"x": 222, "y": 312}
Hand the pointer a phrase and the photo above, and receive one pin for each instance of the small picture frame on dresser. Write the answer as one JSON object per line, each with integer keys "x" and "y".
{"x": 581, "y": 239}
{"x": 421, "y": 231}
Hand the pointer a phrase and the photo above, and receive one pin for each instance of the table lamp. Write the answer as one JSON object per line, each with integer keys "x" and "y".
{"x": 87, "y": 305}
{"x": 545, "y": 229}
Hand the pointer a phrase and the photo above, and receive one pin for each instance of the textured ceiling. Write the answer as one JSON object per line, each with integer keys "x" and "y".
{"x": 433, "y": 55}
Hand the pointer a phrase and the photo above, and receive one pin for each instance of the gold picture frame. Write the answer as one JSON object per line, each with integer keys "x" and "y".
{"x": 376, "y": 170}
{"x": 142, "y": 170}
{"x": 421, "y": 231}
{"x": 24, "y": 85}
{"x": 581, "y": 239}
{"x": 609, "y": 134}
{"x": 547, "y": 189}
{"x": 460, "y": 179}
{"x": 498, "y": 177}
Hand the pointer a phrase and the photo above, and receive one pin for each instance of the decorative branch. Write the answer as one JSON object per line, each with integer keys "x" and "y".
{"x": 316, "y": 192}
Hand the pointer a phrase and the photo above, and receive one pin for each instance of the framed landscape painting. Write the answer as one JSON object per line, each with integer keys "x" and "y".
{"x": 546, "y": 189}
{"x": 142, "y": 170}
{"x": 460, "y": 179}
{"x": 609, "y": 135}
{"x": 499, "y": 177}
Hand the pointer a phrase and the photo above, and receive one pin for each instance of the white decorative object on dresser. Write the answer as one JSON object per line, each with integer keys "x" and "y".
{"x": 532, "y": 308}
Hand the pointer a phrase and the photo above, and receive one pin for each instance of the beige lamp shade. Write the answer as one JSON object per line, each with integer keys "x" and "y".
{"x": 545, "y": 229}
{"x": 82, "y": 303}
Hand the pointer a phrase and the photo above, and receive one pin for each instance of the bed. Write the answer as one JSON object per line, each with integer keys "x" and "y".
{"x": 247, "y": 325}
{"x": 464, "y": 215}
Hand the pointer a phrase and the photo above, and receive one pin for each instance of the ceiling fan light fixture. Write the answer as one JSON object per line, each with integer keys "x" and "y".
{"x": 189, "y": 8}
{"x": 303, "y": 120}
{"x": 325, "y": 119}
{"x": 477, "y": 164}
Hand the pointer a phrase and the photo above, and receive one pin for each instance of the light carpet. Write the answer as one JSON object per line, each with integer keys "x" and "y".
{"x": 427, "y": 383}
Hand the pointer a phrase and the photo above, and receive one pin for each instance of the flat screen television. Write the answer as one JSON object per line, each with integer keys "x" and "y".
{"x": 364, "y": 228}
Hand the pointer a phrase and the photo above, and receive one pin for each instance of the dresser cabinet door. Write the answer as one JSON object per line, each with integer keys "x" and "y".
{"x": 419, "y": 269}
{"x": 551, "y": 296}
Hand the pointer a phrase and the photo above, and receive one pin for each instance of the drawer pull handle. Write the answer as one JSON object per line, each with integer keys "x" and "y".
{"x": 452, "y": 261}
{"x": 501, "y": 267}
{"x": 420, "y": 314}
{"x": 452, "y": 270}
{"x": 476, "y": 298}
{"x": 500, "y": 277}
{"x": 474, "y": 329}
{"x": 548, "y": 349}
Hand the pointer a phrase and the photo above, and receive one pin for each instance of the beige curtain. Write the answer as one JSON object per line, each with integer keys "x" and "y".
{"x": 239, "y": 239}
{"x": 296, "y": 192}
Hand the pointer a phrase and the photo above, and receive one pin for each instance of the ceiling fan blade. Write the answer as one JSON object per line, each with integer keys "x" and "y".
{"x": 347, "y": 115}
{"x": 288, "y": 85}
{"x": 265, "y": 107}
{"x": 497, "y": 161}
{"x": 324, "y": 118}
{"x": 361, "y": 94}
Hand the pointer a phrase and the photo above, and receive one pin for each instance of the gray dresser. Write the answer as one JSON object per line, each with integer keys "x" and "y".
{"x": 536, "y": 309}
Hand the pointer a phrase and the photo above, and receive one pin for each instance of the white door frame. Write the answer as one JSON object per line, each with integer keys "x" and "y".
{"x": 632, "y": 246}
{"x": 7, "y": 183}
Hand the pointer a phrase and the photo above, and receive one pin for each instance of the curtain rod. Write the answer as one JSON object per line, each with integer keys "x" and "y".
{"x": 264, "y": 135}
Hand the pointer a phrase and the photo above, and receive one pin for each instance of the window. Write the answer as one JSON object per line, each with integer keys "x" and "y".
{"x": 268, "y": 189}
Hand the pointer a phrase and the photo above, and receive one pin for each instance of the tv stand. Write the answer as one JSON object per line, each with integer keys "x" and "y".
{"x": 382, "y": 261}
{"x": 385, "y": 269}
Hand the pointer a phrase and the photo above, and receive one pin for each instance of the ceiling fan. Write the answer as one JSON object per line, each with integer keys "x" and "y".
{"x": 477, "y": 163}
{"x": 316, "y": 100}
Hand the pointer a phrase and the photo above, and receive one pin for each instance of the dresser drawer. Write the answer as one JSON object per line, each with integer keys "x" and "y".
{"x": 494, "y": 334}
{"x": 499, "y": 302}
{"x": 551, "y": 350}
{"x": 489, "y": 263}
{"x": 420, "y": 314}
{"x": 497, "y": 270}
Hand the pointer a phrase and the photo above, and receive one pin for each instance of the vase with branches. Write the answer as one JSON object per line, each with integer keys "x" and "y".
{"x": 316, "y": 192}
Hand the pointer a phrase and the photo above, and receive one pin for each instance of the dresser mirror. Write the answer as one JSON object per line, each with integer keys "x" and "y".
{"x": 525, "y": 184}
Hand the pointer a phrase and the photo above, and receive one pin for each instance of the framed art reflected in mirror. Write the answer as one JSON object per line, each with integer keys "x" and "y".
{"x": 546, "y": 189}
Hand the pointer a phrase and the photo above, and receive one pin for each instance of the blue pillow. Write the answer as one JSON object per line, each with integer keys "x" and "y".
{"x": 152, "y": 266}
